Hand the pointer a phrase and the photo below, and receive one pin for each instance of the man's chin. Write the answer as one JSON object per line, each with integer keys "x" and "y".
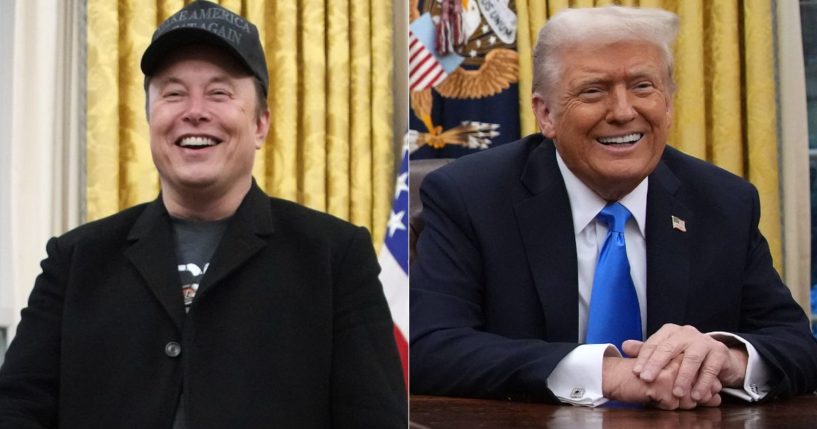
{"x": 613, "y": 186}
{"x": 191, "y": 183}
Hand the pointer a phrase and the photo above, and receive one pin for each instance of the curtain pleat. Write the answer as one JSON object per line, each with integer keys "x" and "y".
{"x": 761, "y": 118}
{"x": 166, "y": 8}
{"x": 723, "y": 96}
{"x": 382, "y": 112}
{"x": 138, "y": 178}
{"x": 337, "y": 100}
{"x": 312, "y": 64}
{"x": 688, "y": 131}
{"x": 724, "y": 105}
{"x": 102, "y": 104}
{"x": 284, "y": 101}
{"x": 256, "y": 12}
{"x": 529, "y": 14}
{"x": 360, "y": 111}
{"x": 330, "y": 145}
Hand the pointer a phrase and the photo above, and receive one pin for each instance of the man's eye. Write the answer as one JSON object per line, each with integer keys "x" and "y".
{"x": 591, "y": 92}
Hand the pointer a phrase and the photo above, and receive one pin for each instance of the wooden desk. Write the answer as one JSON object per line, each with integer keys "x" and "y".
{"x": 433, "y": 412}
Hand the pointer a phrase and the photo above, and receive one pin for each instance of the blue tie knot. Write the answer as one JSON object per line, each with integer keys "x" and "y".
{"x": 615, "y": 216}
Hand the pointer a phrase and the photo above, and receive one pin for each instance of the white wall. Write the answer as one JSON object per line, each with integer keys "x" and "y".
{"x": 6, "y": 42}
{"x": 39, "y": 137}
{"x": 794, "y": 158}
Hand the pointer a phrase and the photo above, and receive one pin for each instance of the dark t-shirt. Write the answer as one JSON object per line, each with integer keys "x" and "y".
{"x": 195, "y": 244}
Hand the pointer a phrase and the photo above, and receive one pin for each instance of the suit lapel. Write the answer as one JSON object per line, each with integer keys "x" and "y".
{"x": 153, "y": 254}
{"x": 242, "y": 240}
{"x": 546, "y": 226}
{"x": 667, "y": 251}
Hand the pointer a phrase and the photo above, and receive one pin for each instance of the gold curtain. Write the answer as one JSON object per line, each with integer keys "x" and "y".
{"x": 724, "y": 107}
{"x": 330, "y": 145}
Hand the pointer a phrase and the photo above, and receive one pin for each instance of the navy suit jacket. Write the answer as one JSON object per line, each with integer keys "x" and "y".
{"x": 289, "y": 328}
{"x": 494, "y": 287}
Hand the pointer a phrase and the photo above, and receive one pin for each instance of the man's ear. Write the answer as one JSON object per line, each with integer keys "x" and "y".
{"x": 261, "y": 129}
{"x": 544, "y": 115}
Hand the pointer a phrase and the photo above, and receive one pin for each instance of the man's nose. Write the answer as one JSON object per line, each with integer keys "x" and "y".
{"x": 196, "y": 110}
{"x": 621, "y": 106}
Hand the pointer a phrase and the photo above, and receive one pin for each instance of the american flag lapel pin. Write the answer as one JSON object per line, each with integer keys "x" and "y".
{"x": 679, "y": 224}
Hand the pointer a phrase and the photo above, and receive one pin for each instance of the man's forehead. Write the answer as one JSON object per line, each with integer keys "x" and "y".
{"x": 590, "y": 72}
{"x": 579, "y": 47}
{"x": 176, "y": 78}
{"x": 648, "y": 59}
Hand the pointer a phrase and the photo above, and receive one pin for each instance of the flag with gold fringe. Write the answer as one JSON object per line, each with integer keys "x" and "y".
{"x": 463, "y": 74}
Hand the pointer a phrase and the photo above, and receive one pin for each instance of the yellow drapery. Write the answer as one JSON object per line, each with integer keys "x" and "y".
{"x": 330, "y": 145}
{"x": 724, "y": 106}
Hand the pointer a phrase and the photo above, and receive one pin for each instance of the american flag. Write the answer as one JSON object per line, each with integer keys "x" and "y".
{"x": 394, "y": 263}
{"x": 424, "y": 70}
{"x": 427, "y": 68}
{"x": 679, "y": 224}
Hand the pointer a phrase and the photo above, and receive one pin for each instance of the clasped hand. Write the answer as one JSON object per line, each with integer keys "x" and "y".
{"x": 677, "y": 367}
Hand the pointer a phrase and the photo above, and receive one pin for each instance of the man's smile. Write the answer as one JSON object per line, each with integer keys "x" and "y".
{"x": 617, "y": 140}
{"x": 197, "y": 142}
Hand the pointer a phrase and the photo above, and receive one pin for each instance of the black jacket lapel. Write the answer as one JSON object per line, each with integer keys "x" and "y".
{"x": 243, "y": 238}
{"x": 667, "y": 250}
{"x": 546, "y": 226}
{"x": 153, "y": 254}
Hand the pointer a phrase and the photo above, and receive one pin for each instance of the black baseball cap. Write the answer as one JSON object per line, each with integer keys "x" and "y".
{"x": 208, "y": 23}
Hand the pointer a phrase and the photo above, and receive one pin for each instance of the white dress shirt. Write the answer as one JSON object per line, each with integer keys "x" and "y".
{"x": 577, "y": 378}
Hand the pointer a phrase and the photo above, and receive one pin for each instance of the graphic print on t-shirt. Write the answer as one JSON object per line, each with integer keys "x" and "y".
{"x": 196, "y": 242}
{"x": 191, "y": 276}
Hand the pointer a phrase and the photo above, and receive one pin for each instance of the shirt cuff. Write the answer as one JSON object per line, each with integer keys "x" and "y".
{"x": 756, "y": 380}
{"x": 577, "y": 378}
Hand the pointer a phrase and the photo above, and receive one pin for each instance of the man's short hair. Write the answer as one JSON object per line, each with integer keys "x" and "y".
{"x": 261, "y": 97}
{"x": 603, "y": 25}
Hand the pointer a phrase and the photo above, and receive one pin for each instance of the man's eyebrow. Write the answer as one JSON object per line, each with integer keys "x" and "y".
{"x": 221, "y": 79}
{"x": 168, "y": 80}
{"x": 593, "y": 79}
{"x": 645, "y": 70}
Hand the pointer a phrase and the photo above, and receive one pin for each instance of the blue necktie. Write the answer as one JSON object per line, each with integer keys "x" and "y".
{"x": 614, "y": 313}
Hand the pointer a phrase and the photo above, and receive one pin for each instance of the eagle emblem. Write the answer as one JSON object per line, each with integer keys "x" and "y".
{"x": 462, "y": 49}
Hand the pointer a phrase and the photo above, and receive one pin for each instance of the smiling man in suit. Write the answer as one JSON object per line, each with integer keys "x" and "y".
{"x": 213, "y": 306}
{"x": 592, "y": 262}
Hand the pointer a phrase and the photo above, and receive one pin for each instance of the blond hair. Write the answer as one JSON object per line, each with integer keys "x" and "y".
{"x": 603, "y": 25}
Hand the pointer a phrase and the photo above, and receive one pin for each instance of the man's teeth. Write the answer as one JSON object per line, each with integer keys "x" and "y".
{"x": 197, "y": 142}
{"x": 627, "y": 139}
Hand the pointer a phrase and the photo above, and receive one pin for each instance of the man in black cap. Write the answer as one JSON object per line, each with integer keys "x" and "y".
{"x": 213, "y": 306}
